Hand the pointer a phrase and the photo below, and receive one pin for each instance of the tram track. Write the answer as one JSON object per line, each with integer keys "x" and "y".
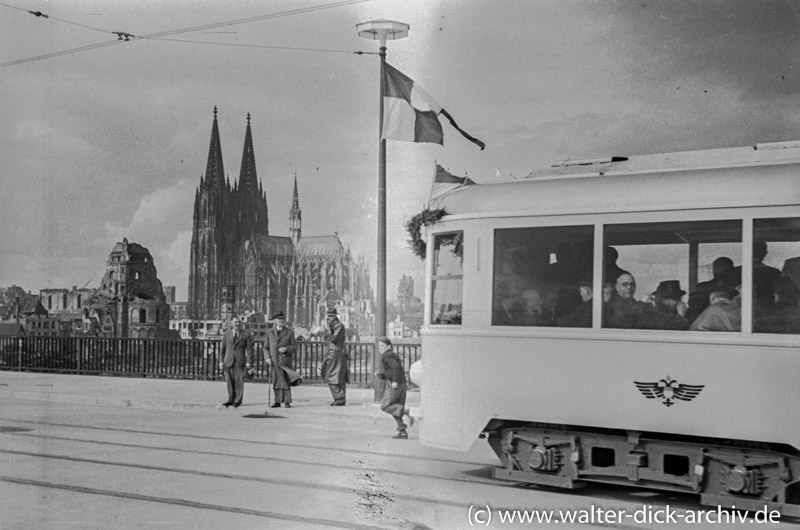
{"x": 415, "y": 458}
{"x": 193, "y": 504}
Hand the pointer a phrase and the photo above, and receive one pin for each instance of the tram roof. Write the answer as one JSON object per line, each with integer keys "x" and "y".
{"x": 761, "y": 175}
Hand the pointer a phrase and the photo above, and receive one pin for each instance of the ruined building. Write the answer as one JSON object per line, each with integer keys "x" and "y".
{"x": 232, "y": 245}
{"x": 130, "y": 301}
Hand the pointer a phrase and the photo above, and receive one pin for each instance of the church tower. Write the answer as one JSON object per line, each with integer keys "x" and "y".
{"x": 207, "y": 267}
{"x": 295, "y": 216}
{"x": 250, "y": 197}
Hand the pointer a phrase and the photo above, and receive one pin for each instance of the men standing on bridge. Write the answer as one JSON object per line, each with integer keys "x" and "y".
{"x": 334, "y": 366}
{"x": 236, "y": 355}
{"x": 280, "y": 348}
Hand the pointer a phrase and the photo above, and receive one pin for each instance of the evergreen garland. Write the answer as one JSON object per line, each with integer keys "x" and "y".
{"x": 414, "y": 228}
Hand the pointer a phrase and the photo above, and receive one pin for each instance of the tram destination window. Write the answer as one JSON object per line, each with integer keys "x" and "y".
{"x": 776, "y": 276}
{"x": 447, "y": 280}
{"x": 680, "y": 275}
{"x": 543, "y": 276}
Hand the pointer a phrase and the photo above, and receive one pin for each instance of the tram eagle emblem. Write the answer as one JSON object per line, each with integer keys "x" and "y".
{"x": 668, "y": 390}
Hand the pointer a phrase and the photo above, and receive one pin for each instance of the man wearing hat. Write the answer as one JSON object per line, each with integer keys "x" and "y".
{"x": 723, "y": 313}
{"x": 279, "y": 352}
{"x": 334, "y": 366}
{"x": 668, "y": 308}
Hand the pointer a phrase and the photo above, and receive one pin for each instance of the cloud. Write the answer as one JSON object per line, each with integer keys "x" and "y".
{"x": 156, "y": 224}
{"x": 160, "y": 210}
{"x": 173, "y": 264}
{"x": 38, "y": 134}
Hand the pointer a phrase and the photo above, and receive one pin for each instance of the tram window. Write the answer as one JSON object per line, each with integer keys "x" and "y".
{"x": 447, "y": 285}
{"x": 776, "y": 275}
{"x": 543, "y": 276}
{"x": 665, "y": 274}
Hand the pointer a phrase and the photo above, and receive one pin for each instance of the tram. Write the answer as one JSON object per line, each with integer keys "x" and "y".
{"x": 520, "y": 345}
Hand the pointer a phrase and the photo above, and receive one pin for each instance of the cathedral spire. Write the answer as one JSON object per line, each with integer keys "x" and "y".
{"x": 248, "y": 181}
{"x": 252, "y": 203}
{"x": 295, "y": 215}
{"x": 215, "y": 172}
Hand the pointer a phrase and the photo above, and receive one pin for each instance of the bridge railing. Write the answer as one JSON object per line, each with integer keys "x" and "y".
{"x": 172, "y": 358}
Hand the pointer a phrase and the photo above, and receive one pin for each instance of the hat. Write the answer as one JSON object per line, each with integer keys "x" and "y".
{"x": 585, "y": 282}
{"x": 669, "y": 289}
{"x": 331, "y": 312}
{"x": 278, "y": 315}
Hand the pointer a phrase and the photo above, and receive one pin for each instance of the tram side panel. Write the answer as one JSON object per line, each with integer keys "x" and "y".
{"x": 725, "y": 391}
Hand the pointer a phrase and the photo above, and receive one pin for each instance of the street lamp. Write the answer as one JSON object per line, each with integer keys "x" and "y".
{"x": 381, "y": 30}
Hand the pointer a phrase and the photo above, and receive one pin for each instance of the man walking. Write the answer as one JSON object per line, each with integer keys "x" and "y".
{"x": 280, "y": 348}
{"x": 236, "y": 356}
{"x": 334, "y": 366}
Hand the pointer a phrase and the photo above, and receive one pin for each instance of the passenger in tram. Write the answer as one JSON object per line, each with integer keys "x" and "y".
{"x": 509, "y": 311}
{"x": 581, "y": 317}
{"x": 763, "y": 277}
{"x": 611, "y": 271}
{"x": 784, "y": 315}
{"x": 608, "y": 291}
{"x": 699, "y": 299}
{"x": 532, "y": 313}
{"x": 669, "y": 309}
{"x": 791, "y": 268}
{"x": 723, "y": 314}
{"x": 623, "y": 310}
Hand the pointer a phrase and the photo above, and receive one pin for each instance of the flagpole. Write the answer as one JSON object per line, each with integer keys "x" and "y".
{"x": 381, "y": 30}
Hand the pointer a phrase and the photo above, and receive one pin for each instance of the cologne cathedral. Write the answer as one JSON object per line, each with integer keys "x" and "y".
{"x": 232, "y": 246}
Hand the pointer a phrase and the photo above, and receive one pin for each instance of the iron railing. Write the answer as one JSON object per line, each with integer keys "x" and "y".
{"x": 173, "y": 358}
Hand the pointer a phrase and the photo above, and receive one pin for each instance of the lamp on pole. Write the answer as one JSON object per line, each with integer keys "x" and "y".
{"x": 381, "y": 30}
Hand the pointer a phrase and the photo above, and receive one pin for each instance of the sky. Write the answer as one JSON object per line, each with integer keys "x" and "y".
{"x": 110, "y": 140}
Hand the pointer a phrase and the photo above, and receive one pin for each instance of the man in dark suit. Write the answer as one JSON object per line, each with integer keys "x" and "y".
{"x": 236, "y": 357}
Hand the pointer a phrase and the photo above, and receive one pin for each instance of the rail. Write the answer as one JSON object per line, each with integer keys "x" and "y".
{"x": 173, "y": 358}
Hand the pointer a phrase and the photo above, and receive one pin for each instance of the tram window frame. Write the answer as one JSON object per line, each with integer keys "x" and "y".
{"x": 537, "y": 276}
{"x": 668, "y": 251}
{"x": 447, "y": 288}
{"x": 776, "y": 312}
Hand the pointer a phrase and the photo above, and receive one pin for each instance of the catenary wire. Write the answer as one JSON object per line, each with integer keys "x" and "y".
{"x": 157, "y": 36}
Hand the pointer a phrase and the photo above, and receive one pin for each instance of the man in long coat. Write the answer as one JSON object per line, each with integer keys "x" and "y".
{"x": 236, "y": 356}
{"x": 279, "y": 352}
{"x": 334, "y": 366}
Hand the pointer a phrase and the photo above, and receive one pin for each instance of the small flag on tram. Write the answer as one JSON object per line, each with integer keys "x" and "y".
{"x": 444, "y": 181}
{"x": 410, "y": 114}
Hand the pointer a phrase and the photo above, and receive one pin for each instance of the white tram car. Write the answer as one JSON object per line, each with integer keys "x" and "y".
{"x": 563, "y": 402}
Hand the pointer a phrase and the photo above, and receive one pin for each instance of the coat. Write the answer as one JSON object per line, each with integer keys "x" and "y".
{"x": 334, "y": 365}
{"x": 282, "y": 375}
{"x": 394, "y": 399}
{"x": 239, "y": 351}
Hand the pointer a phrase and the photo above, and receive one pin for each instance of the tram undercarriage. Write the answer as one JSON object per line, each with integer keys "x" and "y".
{"x": 740, "y": 476}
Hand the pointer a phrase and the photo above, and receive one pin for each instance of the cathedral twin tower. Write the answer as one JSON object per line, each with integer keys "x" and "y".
{"x": 231, "y": 245}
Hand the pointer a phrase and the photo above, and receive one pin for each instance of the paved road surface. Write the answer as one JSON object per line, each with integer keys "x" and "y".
{"x": 101, "y": 452}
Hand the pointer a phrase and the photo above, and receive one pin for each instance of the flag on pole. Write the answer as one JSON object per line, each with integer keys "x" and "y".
{"x": 444, "y": 181}
{"x": 410, "y": 114}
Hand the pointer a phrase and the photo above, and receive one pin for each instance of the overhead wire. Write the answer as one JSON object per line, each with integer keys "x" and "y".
{"x": 189, "y": 41}
{"x": 125, "y": 37}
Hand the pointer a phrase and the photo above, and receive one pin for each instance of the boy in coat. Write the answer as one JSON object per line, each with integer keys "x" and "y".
{"x": 394, "y": 398}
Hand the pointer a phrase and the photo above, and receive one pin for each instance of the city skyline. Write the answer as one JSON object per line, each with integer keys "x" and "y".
{"x": 110, "y": 143}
